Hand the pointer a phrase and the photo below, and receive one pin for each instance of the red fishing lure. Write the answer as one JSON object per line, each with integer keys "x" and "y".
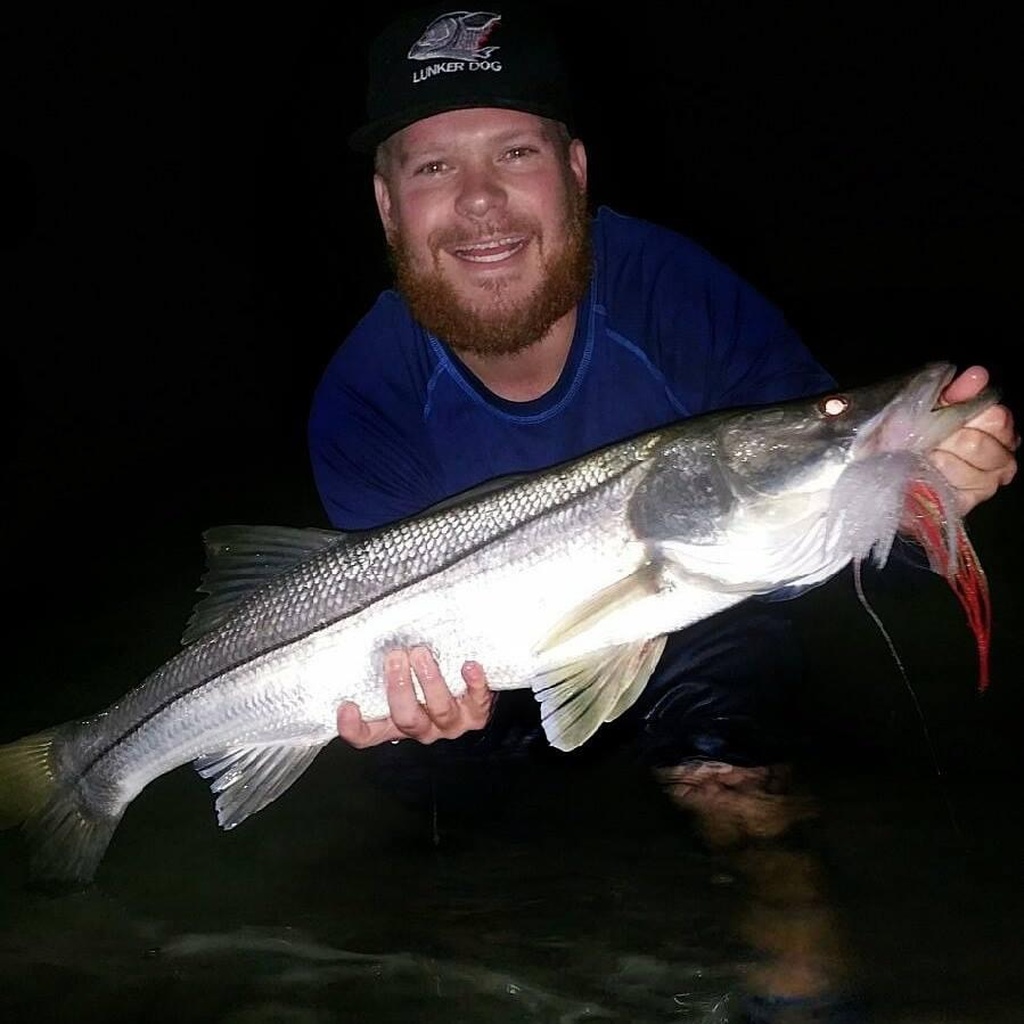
{"x": 954, "y": 558}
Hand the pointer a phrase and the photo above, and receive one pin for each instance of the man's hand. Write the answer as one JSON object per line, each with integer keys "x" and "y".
{"x": 978, "y": 458}
{"x": 443, "y": 716}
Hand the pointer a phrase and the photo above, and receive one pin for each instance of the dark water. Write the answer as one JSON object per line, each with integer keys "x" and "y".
{"x": 332, "y": 907}
{"x": 574, "y": 892}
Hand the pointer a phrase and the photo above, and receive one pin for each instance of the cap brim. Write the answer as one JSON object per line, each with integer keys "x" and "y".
{"x": 367, "y": 138}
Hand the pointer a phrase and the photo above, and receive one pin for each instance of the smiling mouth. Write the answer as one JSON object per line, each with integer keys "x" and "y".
{"x": 492, "y": 251}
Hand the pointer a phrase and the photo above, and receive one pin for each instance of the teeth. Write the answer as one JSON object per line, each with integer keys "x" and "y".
{"x": 489, "y": 252}
{"x": 493, "y": 243}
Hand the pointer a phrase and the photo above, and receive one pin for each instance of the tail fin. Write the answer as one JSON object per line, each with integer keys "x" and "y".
{"x": 27, "y": 781}
{"x": 66, "y": 839}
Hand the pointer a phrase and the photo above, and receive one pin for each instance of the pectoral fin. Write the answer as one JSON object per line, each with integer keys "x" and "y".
{"x": 577, "y": 697}
{"x": 249, "y": 778}
{"x": 606, "y": 603}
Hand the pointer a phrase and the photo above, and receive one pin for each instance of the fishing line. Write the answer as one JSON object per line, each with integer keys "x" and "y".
{"x": 858, "y": 583}
{"x": 862, "y": 597}
{"x": 435, "y": 822}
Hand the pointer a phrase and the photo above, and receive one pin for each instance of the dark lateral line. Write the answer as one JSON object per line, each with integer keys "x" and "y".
{"x": 149, "y": 715}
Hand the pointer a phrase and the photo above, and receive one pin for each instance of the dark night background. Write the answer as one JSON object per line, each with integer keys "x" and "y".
{"x": 185, "y": 239}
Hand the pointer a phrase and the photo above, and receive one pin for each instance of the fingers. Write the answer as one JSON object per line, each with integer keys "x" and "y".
{"x": 357, "y": 732}
{"x": 976, "y": 464}
{"x": 986, "y": 444}
{"x": 964, "y": 466}
{"x": 965, "y": 385}
{"x": 479, "y": 698}
{"x": 978, "y": 458}
{"x": 424, "y": 722}
{"x": 996, "y": 420}
{"x": 440, "y": 715}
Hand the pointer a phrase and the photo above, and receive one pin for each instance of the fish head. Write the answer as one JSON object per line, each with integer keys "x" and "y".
{"x": 826, "y": 474}
{"x": 775, "y": 461}
{"x": 888, "y": 467}
{"x": 809, "y": 443}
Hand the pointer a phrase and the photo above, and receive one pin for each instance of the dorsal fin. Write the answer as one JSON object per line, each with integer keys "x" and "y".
{"x": 239, "y": 559}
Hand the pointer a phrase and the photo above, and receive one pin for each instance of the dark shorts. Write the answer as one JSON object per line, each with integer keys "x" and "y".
{"x": 724, "y": 690}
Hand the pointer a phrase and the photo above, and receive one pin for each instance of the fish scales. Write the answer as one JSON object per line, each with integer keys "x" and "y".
{"x": 334, "y": 586}
{"x": 307, "y": 619}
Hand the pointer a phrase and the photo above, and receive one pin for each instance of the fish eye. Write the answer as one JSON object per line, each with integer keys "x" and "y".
{"x": 833, "y": 405}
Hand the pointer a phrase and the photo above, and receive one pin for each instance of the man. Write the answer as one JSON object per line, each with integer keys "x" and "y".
{"x": 522, "y": 332}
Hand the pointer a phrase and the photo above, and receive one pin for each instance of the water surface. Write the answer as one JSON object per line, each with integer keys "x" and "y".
{"x": 571, "y": 892}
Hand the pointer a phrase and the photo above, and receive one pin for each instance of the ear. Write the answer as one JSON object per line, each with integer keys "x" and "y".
{"x": 383, "y": 195}
{"x": 578, "y": 162}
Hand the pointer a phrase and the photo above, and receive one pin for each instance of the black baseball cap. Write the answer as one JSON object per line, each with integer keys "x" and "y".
{"x": 438, "y": 58}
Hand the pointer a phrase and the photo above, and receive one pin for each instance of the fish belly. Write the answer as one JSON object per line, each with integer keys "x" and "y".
{"x": 496, "y": 608}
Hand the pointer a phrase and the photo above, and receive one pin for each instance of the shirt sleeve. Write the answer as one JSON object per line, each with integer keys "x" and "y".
{"x": 760, "y": 356}
{"x": 719, "y": 341}
{"x": 371, "y": 460}
{"x": 753, "y": 354}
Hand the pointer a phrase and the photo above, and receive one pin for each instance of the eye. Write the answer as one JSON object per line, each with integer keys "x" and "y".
{"x": 431, "y": 167}
{"x": 833, "y": 405}
{"x": 519, "y": 152}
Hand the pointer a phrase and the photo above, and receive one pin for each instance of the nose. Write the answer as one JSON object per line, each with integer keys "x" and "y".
{"x": 480, "y": 193}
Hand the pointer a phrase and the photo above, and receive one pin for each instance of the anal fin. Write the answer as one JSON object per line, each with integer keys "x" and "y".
{"x": 246, "y": 779}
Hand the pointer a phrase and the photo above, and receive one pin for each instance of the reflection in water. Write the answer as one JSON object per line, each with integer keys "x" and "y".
{"x": 801, "y": 968}
{"x": 589, "y": 898}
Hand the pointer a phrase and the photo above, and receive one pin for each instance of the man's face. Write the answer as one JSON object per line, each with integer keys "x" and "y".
{"x": 487, "y": 226}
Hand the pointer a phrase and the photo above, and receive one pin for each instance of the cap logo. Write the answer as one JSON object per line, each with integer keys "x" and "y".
{"x": 455, "y": 41}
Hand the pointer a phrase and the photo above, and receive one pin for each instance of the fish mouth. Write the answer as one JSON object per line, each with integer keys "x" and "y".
{"x": 910, "y": 417}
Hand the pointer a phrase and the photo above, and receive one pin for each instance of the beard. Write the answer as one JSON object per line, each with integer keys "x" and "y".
{"x": 501, "y": 326}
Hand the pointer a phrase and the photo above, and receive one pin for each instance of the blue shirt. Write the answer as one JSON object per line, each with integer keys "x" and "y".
{"x": 664, "y": 331}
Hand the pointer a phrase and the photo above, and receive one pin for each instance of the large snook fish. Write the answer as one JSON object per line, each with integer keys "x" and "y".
{"x": 565, "y": 581}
